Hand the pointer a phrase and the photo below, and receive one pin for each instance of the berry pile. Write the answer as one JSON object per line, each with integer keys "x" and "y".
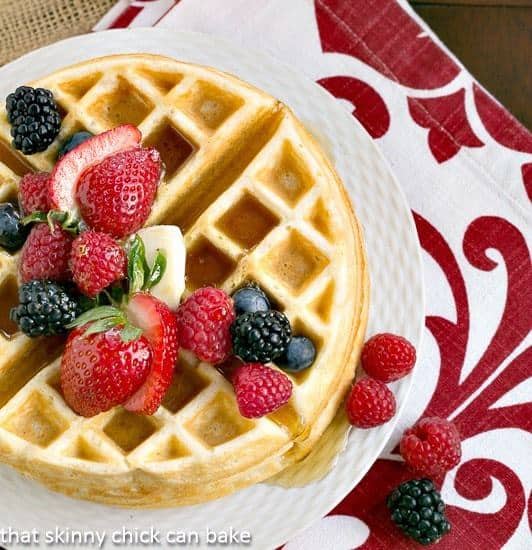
{"x": 214, "y": 325}
{"x": 429, "y": 448}
{"x": 260, "y": 335}
{"x": 122, "y": 349}
{"x": 123, "y": 346}
{"x": 263, "y": 334}
{"x": 385, "y": 357}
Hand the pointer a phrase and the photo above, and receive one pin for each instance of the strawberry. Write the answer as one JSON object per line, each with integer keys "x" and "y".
{"x": 160, "y": 329}
{"x": 33, "y": 193}
{"x": 46, "y": 253}
{"x": 100, "y": 371}
{"x": 67, "y": 171}
{"x": 96, "y": 260}
{"x": 116, "y": 195}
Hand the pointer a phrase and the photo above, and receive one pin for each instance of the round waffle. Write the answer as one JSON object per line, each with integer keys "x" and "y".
{"x": 257, "y": 200}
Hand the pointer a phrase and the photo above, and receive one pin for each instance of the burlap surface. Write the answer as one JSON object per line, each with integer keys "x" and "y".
{"x": 28, "y": 24}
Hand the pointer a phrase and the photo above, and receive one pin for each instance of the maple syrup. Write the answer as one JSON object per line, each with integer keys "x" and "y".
{"x": 321, "y": 460}
{"x": 172, "y": 145}
{"x": 207, "y": 265}
{"x": 23, "y": 366}
{"x": 8, "y": 300}
{"x": 247, "y": 222}
{"x": 13, "y": 160}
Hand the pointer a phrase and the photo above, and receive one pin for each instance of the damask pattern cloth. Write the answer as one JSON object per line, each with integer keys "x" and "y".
{"x": 466, "y": 167}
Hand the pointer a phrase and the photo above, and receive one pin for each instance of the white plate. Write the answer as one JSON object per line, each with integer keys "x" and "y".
{"x": 271, "y": 514}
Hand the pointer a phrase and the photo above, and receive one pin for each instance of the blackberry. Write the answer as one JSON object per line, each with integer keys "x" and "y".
{"x": 34, "y": 118}
{"x": 261, "y": 336}
{"x": 45, "y": 308}
{"x": 418, "y": 510}
{"x": 13, "y": 232}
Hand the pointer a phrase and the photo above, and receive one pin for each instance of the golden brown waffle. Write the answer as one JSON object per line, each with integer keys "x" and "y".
{"x": 257, "y": 200}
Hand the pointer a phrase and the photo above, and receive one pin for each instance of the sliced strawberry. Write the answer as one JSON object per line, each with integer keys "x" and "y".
{"x": 100, "y": 371}
{"x": 160, "y": 329}
{"x": 67, "y": 171}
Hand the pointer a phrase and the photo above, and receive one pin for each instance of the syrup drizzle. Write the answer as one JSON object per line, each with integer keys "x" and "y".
{"x": 321, "y": 460}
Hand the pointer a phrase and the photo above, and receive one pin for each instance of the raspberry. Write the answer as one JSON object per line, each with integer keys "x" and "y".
{"x": 370, "y": 403}
{"x": 45, "y": 254}
{"x": 96, "y": 260}
{"x": 431, "y": 447}
{"x": 387, "y": 357}
{"x": 203, "y": 322}
{"x": 260, "y": 390}
{"x": 33, "y": 193}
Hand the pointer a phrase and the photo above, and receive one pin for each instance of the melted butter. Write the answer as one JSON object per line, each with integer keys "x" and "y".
{"x": 321, "y": 460}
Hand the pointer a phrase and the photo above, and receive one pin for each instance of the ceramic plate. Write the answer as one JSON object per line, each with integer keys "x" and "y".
{"x": 271, "y": 514}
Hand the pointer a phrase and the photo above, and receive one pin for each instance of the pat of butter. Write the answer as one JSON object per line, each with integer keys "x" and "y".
{"x": 169, "y": 240}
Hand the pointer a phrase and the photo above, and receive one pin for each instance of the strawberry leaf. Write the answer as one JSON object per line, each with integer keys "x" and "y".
{"x": 35, "y": 217}
{"x": 104, "y": 325}
{"x": 97, "y": 314}
{"x": 104, "y": 318}
{"x": 115, "y": 295}
{"x": 156, "y": 272}
{"x": 64, "y": 219}
{"x": 130, "y": 333}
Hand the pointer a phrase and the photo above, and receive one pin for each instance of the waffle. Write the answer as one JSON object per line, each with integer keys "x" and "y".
{"x": 257, "y": 201}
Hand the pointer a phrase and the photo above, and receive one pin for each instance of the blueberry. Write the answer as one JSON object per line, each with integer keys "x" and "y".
{"x": 299, "y": 355}
{"x": 77, "y": 139}
{"x": 12, "y": 232}
{"x": 250, "y": 299}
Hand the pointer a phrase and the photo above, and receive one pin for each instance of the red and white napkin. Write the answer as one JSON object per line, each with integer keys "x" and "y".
{"x": 466, "y": 166}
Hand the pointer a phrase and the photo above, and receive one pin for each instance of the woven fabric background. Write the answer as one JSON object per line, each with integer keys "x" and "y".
{"x": 29, "y": 24}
